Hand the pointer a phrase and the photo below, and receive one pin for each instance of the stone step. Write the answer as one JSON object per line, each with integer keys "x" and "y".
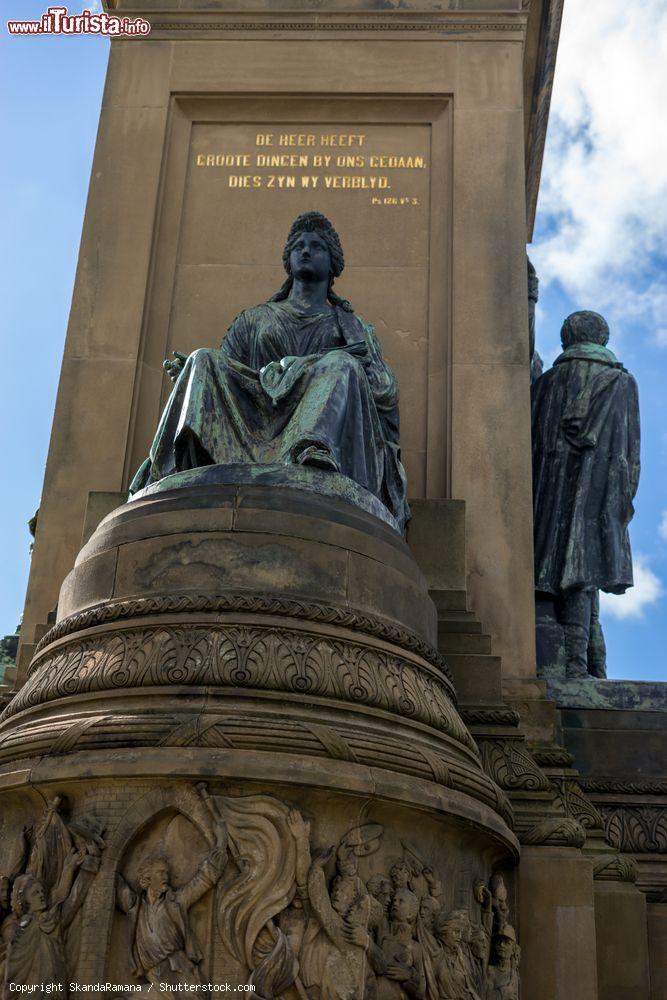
{"x": 456, "y": 622}
{"x": 450, "y": 600}
{"x": 463, "y": 642}
{"x": 477, "y": 677}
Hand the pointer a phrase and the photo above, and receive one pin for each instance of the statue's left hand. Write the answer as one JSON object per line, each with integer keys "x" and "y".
{"x": 174, "y": 367}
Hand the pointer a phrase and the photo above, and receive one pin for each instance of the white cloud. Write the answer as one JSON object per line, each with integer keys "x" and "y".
{"x": 662, "y": 527}
{"x": 604, "y": 186}
{"x": 647, "y": 590}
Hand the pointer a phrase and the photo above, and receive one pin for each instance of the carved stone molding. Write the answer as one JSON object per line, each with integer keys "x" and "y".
{"x": 226, "y": 728}
{"x": 551, "y": 755}
{"x": 577, "y": 805}
{"x": 621, "y": 786}
{"x": 511, "y": 766}
{"x": 557, "y": 831}
{"x": 395, "y": 25}
{"x": 636, "y": 829}
{"x": 615, "y": 868}
{"x": 371, "y": 625}
{"x": 489, "y": 716}
{"x": 244, "y": 657}
{"x": 541, "y": 101}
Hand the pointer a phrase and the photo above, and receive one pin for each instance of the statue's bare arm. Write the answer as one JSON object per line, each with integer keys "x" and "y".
{"x": 207, "y": 876}
{"x": 125, "y": 896}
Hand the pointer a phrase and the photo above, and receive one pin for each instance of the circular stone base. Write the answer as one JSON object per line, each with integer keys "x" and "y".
{"x": 243, "y": 682}
{"x": 301, "y": 477}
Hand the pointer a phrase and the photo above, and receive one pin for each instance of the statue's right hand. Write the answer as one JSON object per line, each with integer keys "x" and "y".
{"x": 174, "y": 367}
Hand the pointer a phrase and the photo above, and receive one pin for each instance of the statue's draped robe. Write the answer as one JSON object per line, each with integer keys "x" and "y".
{"x": 585, "y": 424}
{"x": 224, "y": 410}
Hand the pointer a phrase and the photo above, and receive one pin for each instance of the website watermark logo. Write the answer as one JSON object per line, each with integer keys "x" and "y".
{"x": 57, "y": 21}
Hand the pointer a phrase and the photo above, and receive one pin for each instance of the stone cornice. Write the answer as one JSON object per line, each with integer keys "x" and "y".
{"x": 335, "y": 19}
{"x": 544, "y": 23}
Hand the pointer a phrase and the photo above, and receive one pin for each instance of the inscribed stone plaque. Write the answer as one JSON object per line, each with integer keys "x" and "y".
{"x": 242, "y": 183}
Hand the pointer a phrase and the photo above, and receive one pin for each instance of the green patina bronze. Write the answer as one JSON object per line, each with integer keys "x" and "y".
{"x": 585, "y": 427}
{"x": 299, "y": 380}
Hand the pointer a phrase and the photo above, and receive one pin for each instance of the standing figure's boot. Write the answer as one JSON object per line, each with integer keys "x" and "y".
{"x": 597, "y": 647}
{"x": 575, "y": 613}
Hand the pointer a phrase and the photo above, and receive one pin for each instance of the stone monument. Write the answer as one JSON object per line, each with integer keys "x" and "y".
{"x": 276, "y": 720}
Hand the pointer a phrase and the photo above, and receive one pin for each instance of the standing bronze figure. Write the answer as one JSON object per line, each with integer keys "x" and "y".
{"x": 585, "y": 421}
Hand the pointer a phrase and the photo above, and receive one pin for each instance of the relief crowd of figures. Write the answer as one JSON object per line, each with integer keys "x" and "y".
{"x": 295, "y": 928}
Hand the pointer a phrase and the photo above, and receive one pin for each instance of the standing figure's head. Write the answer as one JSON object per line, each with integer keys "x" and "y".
{"x": 399, "y": 874}
{"x": 584, "y": 327}
{"x": 28, "y": 895}
{"x": 449, "y": 928}
{"x": 479, "y": 943}
{"x": 404, "y": 906}
{"x": 504, "y": 943}
{"x": 313, "y": 252}
{"x": 379, "y": 887}
{"x": 154, "y": 875}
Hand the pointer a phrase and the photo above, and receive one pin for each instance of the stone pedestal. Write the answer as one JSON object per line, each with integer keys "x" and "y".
{"x": 558, "y": 923}
{"x": 657, "y": 948}
{"x": 263, "y": 656}
{"x": 622, "y": 941}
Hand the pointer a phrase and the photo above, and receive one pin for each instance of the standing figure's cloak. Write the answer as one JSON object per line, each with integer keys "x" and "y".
{"x": 585, "y": 425}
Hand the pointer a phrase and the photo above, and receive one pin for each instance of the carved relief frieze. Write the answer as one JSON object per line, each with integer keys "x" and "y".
{"x": 243, "y": 875}
{"x": 41, "y": 891}
{"x": 294, "y": 915}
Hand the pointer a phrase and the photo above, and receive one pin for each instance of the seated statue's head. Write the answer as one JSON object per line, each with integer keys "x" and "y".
{"x": 28, "y": 895}
{"x": 313, "y": 251}
{"x": 584, "y": 327}
{"x": 154, "y": 874}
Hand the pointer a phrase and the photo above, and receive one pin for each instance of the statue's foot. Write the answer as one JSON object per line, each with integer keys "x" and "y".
{"x": 318, "y": 456}
{"x": 598, "y": 670}
{"x": 575, "y": 671}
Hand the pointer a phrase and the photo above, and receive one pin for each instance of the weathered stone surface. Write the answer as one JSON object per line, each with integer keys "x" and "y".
{"x": 556, "y": 889}
{"x": 205, "y": 540}
{"x": 631, "y": 696}
{"x": 622, "y": 942}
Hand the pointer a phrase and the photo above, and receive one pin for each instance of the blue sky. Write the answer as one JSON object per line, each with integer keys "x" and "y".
{"x": 600, "y": 243}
